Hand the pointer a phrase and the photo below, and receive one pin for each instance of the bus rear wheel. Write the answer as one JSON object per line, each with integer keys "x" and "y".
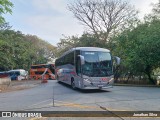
{"x": 73, "y": 84}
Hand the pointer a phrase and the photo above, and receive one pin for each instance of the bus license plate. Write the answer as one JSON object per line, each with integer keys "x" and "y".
{"x": 100, "y": 85}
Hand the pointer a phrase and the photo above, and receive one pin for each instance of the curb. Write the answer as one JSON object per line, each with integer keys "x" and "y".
{"x": 132, "y": 85}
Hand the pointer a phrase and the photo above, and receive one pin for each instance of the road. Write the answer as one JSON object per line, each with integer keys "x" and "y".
{"x": 118, "y": 98}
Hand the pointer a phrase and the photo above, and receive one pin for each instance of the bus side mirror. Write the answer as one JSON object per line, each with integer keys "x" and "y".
{"x": 81, "y": 59}
{"x": 117, "y": 59}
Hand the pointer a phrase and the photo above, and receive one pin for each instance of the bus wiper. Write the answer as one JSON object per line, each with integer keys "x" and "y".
{"x": 98, "y": 66}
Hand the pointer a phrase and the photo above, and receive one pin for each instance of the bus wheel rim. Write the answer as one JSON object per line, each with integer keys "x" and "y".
{"x": 73, "y": 84}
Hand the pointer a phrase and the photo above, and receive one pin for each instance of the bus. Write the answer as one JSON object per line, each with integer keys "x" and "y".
{"x": 18, "y": 74}
{"x": 42, "y": 71}
{"x": 86, "y": 68}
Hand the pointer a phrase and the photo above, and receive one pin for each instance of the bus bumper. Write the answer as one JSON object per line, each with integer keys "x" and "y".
{"x": 98, "y": 85}
{"x": 94, "y": 87}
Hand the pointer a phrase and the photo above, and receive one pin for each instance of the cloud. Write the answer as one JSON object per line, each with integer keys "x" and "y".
{"x": 52, "y": 19}
{"x": 49, "y": 19}
{"x": 46, "y": 5}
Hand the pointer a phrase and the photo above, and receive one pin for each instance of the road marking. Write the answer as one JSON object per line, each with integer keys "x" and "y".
{"x": 79, "y": 106}
{"x": 70, "y": 104}
{"x": 75, "y": 105}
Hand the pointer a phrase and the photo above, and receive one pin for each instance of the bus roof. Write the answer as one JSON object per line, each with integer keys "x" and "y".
{"x": 16, "y": 70}
{"x": 86, "y": 49}
{"x": 41, "y": 64}
{"x": 91, "y": 49}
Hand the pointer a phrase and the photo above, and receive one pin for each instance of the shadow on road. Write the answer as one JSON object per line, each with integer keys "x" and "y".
{"x": 85, "y": 91}
{"x": 93, "y": 91}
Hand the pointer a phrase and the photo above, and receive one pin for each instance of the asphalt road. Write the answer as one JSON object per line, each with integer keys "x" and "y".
{"x": 53, "y": 96}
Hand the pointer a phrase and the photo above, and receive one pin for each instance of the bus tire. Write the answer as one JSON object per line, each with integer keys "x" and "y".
{"x": 57, "y": 79}
{"x": 73, "y": 83}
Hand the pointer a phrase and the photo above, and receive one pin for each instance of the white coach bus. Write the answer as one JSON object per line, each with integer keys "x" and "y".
{"x": 86, "y": 68}
{"x": 18, "y": 74}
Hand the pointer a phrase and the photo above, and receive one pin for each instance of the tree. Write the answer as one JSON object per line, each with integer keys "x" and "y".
{"x": 86, "y": 40}
{"x": 20, "y": 51}
{"x": 156, "y": 10}
{"x": 155, "y": 13}
{"x": 5, "y": 7}
{"x": 5, "y": 56}
{"x": 103, "y": 18}
{"x": 66, "y": 43}
{"x": 139, "y": 48}
{"x": 42, "y": 49}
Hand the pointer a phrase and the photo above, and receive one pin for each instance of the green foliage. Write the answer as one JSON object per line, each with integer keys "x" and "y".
{"x": 139, "y": 48}
{"x": 20, "y": 51}
{"x": 156, "y": 10}
{"x": 5, "y": 7}
{"x": 5, "y": 61}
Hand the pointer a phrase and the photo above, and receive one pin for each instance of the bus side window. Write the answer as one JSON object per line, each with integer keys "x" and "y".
{"x": 78, "y": 63}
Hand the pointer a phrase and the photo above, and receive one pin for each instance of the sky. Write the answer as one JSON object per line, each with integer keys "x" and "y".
{"x": 50, "y": 20}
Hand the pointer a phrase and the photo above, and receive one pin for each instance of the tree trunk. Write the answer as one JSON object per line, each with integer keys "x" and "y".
{"x": 148, "y": 72}
{"x": 150, "y": 79}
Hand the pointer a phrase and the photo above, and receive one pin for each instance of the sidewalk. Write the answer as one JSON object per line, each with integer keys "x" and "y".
{"x": 20, "y": 85}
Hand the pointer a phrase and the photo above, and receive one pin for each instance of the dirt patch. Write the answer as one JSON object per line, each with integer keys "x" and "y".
{"x": 20, "y": 85}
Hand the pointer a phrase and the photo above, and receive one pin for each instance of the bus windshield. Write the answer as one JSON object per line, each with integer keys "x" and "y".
{"x": 23, "y": 73}
{"x": 18, "y": 72}
{"x": 97, "y": 64}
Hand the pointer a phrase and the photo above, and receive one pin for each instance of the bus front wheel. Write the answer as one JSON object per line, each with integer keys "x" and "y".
{"x": 73, "y": 83}
{"x": 57, "y": 79}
